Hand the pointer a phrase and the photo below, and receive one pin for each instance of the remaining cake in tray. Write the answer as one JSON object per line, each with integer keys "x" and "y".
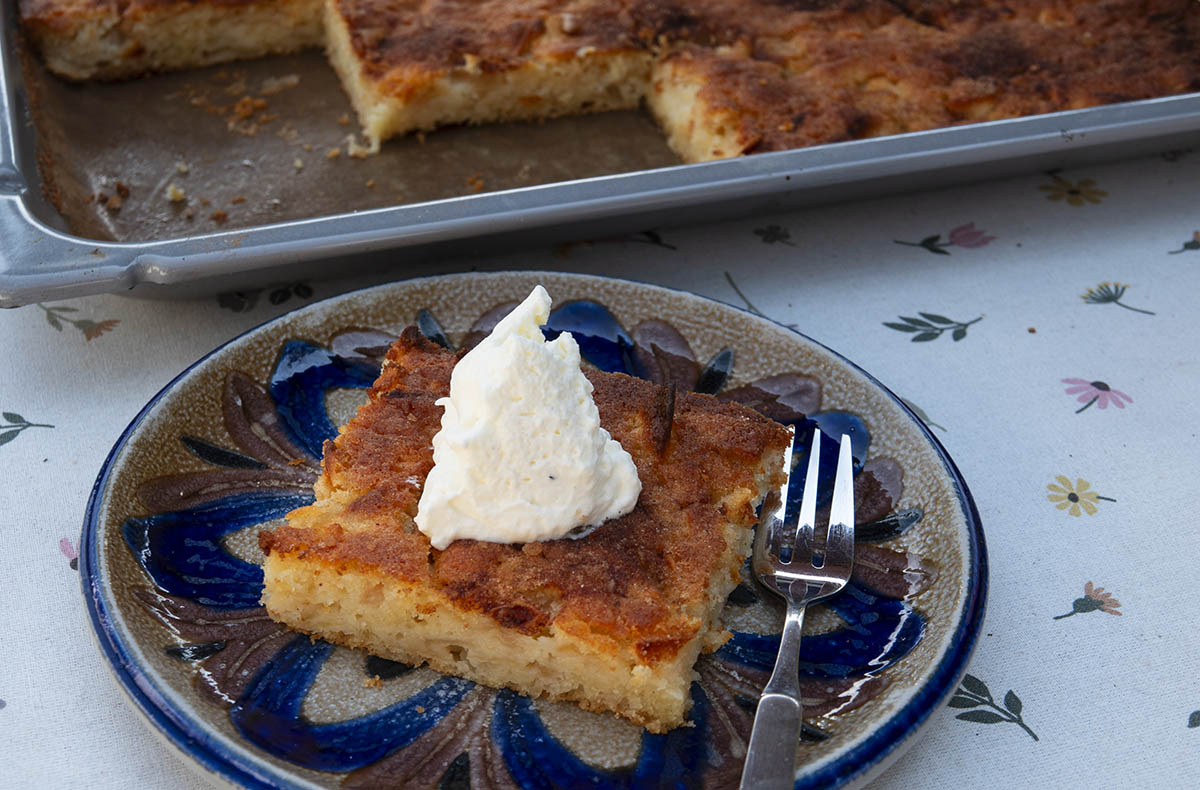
{"x": 111, "y": 39}
{"x": 614, "y": 620}
{"x": 723, "y": 77}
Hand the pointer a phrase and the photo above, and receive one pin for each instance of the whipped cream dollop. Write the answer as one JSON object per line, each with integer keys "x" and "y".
{"x": 521, "y": 455}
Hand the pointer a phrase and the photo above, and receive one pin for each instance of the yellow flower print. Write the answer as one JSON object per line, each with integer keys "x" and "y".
{"x": 1075, "y": 499}
{"x": 1079, "y": 194}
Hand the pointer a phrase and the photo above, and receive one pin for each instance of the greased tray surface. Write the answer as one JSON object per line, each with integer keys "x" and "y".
{"x": 260, "y": 158}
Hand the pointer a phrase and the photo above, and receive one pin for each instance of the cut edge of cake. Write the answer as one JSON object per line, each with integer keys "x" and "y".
{"x": 415, "y": 623}
{"x": 694, "y": 130}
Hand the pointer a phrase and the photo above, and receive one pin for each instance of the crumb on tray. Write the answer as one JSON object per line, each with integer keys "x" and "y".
{"x": 360, "y": 151}
{"x": 276, "y": 84}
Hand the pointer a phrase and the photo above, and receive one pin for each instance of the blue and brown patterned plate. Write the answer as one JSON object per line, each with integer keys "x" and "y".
{"x": 172, "y": 582}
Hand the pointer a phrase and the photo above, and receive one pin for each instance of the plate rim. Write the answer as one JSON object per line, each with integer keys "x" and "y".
{"x": 858, "y": 764}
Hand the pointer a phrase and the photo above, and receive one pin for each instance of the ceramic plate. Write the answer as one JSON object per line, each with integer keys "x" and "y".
{"x": 172, "y": 582}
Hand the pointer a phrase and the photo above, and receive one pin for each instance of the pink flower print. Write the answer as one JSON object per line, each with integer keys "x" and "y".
{"x": 969, "y": 236}
{"x": 70, "y": 552}
{"x": 1096, "y": 392}
{"x": 92, "y": 330}
{"x": 1094, "y": 600}
{"x": 966, "y": 236}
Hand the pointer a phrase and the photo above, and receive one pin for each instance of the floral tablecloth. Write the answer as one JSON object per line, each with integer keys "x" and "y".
{"x": 1045, "y": 326}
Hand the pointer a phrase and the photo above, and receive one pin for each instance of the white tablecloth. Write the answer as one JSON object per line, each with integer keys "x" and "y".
{"x": 1068, "y": 402}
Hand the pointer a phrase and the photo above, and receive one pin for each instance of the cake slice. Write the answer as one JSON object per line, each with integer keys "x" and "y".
{"x": 412, "y": 65}
{"x": 613, "y": 621}
{"x": 113, "y": 39}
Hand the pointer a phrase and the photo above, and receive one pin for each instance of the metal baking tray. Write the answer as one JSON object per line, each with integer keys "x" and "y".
{"x": 268, "y": 201}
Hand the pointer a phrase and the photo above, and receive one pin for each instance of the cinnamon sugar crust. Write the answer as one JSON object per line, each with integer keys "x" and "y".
{"x": 634, "y": 578}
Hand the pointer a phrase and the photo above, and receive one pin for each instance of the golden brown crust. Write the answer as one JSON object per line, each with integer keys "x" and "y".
{"x": 405, "y": 39}
{"x": 847, "y": 72}
{"x": 632, "y": 579}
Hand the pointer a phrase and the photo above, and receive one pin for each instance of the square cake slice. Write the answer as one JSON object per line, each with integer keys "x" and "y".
{"x": 114, "y": 39}
{"x": 613, "y": 621}
{"x": 411, "y": 65}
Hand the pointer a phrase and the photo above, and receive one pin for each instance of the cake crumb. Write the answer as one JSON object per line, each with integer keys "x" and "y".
{"x": 273, "y": 85}
{"x": 296, "y": 462}
{"x": 174, "y": 193}
{"x": 183, "y": 168}
{"x": 1032, "y": 331}
{"x": 344, "y": 119}
{"x": 238, "y": 199}
{"x": 298, "y": 164}
{"x": 475, "y": 182}
{"x": 307, "y": 146}
{"x": 370, "y": 183}
{"x": 359, "y": 151}
{"x": 373, "y": 682}
{"x": 420, "y": 709}
{"x": 189, "y": 214}
{"x": 333, "y": 153}
{"x": 122, "y": 190}
{"x": 218, "y": 217}
{"x": 243, "y": 108}
{"x": 112, "y": 203}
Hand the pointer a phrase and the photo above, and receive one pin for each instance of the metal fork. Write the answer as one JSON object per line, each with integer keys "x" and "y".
{"x": 806, "y": 573}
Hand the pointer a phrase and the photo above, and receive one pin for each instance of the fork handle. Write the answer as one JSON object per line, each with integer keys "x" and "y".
{"x": 770, "y": 758}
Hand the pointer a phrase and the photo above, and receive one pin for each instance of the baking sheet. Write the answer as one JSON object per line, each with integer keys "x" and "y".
{"x": 249, "y": 216}
{"x": 273, "y": 140}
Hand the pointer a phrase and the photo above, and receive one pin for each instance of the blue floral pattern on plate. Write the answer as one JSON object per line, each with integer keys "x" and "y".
{"x": 450, "y": 729}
